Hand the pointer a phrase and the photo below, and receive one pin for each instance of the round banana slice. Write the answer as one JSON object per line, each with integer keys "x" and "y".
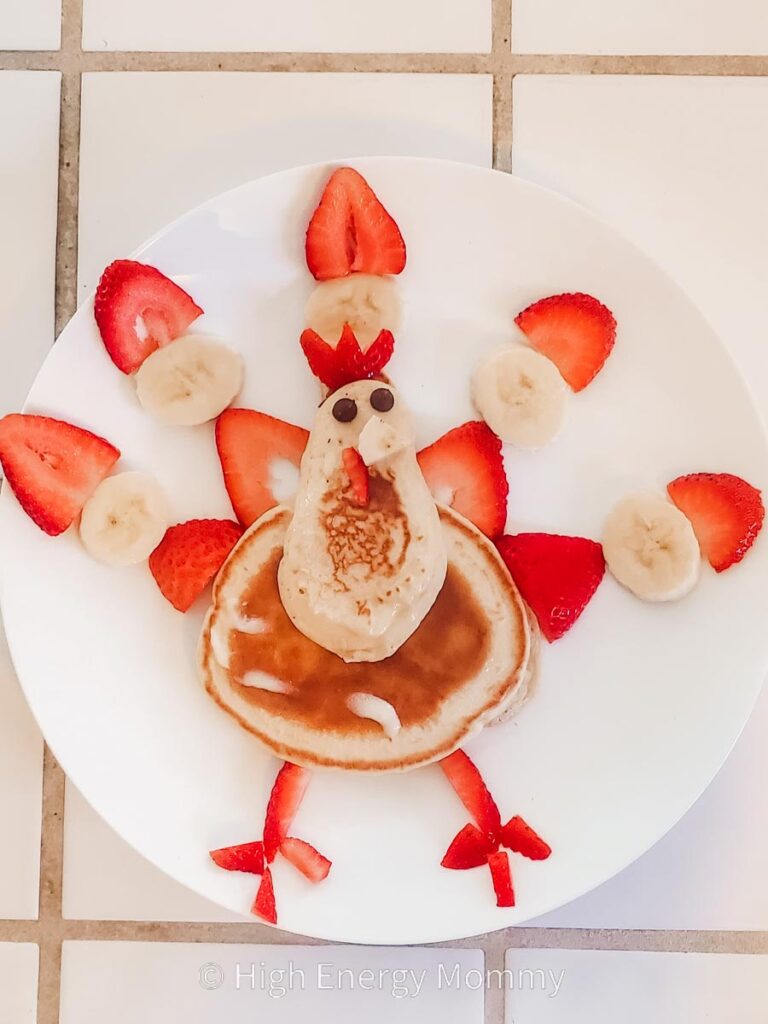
{"x": 189, "y": 381}
{"x": 368, "y": 303}
{"x": 521, "y": 396}
{"x": 124, "y": 519}
{"x": 650, "y": 547}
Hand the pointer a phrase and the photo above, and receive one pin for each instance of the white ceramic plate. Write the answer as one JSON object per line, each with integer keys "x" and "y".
{"x": 637, "y": 706}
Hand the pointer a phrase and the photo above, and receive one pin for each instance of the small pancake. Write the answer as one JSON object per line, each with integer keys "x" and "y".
{"x": 464, "y": 666}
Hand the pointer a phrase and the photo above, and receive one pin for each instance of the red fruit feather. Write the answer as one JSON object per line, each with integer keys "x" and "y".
{"x": 575, "y": 331}
{"x": 284, "y": 800}
{"x": 189, "y": 556}
{"x": 52, "y": 467}
{"x": 345, "y": 363}
{"x": 520, "y": 838}
{"x": 130, "y": 293}
{"x": 249, "y": 444}
{"x": 351, "y": 232}
{"x": 248, "y": 857}
{"x": 470, "y": 848}
{"x": 472, "y": 791}
{"x": 501, "y": 875}
{"x": 556, "y": 576}
{"x": 309, "y": 861}
{"x": 464, "y": 469}
{"x": 725, "y": 511}
{"x": 357, "y": 471}
{"x": 264, "y": 905}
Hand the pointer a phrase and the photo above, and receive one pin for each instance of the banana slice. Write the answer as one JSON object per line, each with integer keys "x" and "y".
{"x": 650, "y": 547}
{"x": 367, "y": 303}
{"x": 521, "y": 396}
{"x": 124, "y": 519}
{"x": 189, "y": 381}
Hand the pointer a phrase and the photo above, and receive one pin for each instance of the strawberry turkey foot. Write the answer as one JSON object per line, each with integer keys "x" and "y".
{"x": 480, "y": 843}
{"x": 255, "y": 858}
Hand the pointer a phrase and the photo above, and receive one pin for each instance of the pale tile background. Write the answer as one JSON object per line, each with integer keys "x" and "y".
{"x": 677, "y": 161}
{"x": 156, "y": 983}
{"x": 637, "y": 26}
{"x": 30, "y": 24}
{"x": 575, "y": 986}
{"x": 18, "y": 982}
{"x": 333, "y": 26}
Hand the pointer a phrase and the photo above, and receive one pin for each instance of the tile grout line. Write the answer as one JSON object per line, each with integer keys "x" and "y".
{"x": 52, "y": 824}
{"x": 502, "y": 84}
{"x": 499, "y": 61}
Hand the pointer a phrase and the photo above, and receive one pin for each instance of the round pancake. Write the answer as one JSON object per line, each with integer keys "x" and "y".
{"x": 465, "y": 665}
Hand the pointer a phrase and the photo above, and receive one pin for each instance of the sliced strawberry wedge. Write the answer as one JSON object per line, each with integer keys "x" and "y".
{"x": 501, "y": 875}
{"x": 519, "y": 837}
{"x": 309, "y": 861}
{"x": 557, "y": 576}
{"x": 357, "y": 471}
{"x": 251, "y": 446}
{"x": 464, "y": 469}
{"x": 350, "y": 231}
{"x": 726, "y": 514}
{"x": 248, "y": 857}
{"x": 52, "y": 467}
{"x": 472, "y": 791}
{"x": 347, "y": 362}
{"x": 264, "y": 905}
{"x": 189, "y": 556}
{"x": 138, "y": 309}
{"x": 284, "y": 800}
{"x": 575, "y": 331}
{"x": 470, "y": 848}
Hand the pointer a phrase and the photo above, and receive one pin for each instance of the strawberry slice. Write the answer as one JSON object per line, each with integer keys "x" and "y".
{"x": 726, "y": 514}
{"x": 351, "y": 232}
{"x": 501, "y": 875}
{"x": 189, "y": 556}
{"x": 248, "y": 857}
{"x": 138, "y": 309}
{"x": 464, "y": 469}
{"x": 555, "y": 575}
{"x": 357, "y": 471}
{"x": 470, "y": 848}
{"x": 287, "y": 793}
{"x": 250, "y": 446}
{"x": 574, "y": 330}
{"x": 309, "y": 861}
{"x": 472, "y": 791}
{"x": 52, "y": 467}
{"x": 264, "y": 905}
{"x": 347, "y": 362}
{"x": 519, "y": 837}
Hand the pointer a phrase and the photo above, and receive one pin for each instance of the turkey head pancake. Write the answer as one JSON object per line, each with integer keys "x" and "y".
{"x": 368, "y": 628}
{"x": 364, "y": 556}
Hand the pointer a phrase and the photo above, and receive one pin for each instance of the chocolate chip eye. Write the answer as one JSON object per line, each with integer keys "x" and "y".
{"x": 382, "y": 399}
{"x": 345, "y": 410}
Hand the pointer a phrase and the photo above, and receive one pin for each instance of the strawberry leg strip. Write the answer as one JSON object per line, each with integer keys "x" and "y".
{"x": 284, "y": 801}
{"x": 478, "y": 844}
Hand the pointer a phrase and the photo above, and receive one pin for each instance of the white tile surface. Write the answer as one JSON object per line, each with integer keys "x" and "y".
{"x": 207, "y": 133}
{"x": 245, "y": 125}
{"x": 679, "y": 165}
{"x": 105, "y": 879}
{"x": 30, "y": 24}
{"x": 634, "y": 988}
{"x": 21, "y": 772}
{"x": 18, "y": 982}
{"x": 29, "y": 127}
{"x": 333, "y": 26}
{"x": 155, "y": 983}
{"x": 636, "y": 26}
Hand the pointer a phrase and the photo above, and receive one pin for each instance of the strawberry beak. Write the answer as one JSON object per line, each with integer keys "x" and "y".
{"x": 359, "y": 476}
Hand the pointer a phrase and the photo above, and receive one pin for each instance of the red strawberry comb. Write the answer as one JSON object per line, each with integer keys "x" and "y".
{"x": 338, "y": 366}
